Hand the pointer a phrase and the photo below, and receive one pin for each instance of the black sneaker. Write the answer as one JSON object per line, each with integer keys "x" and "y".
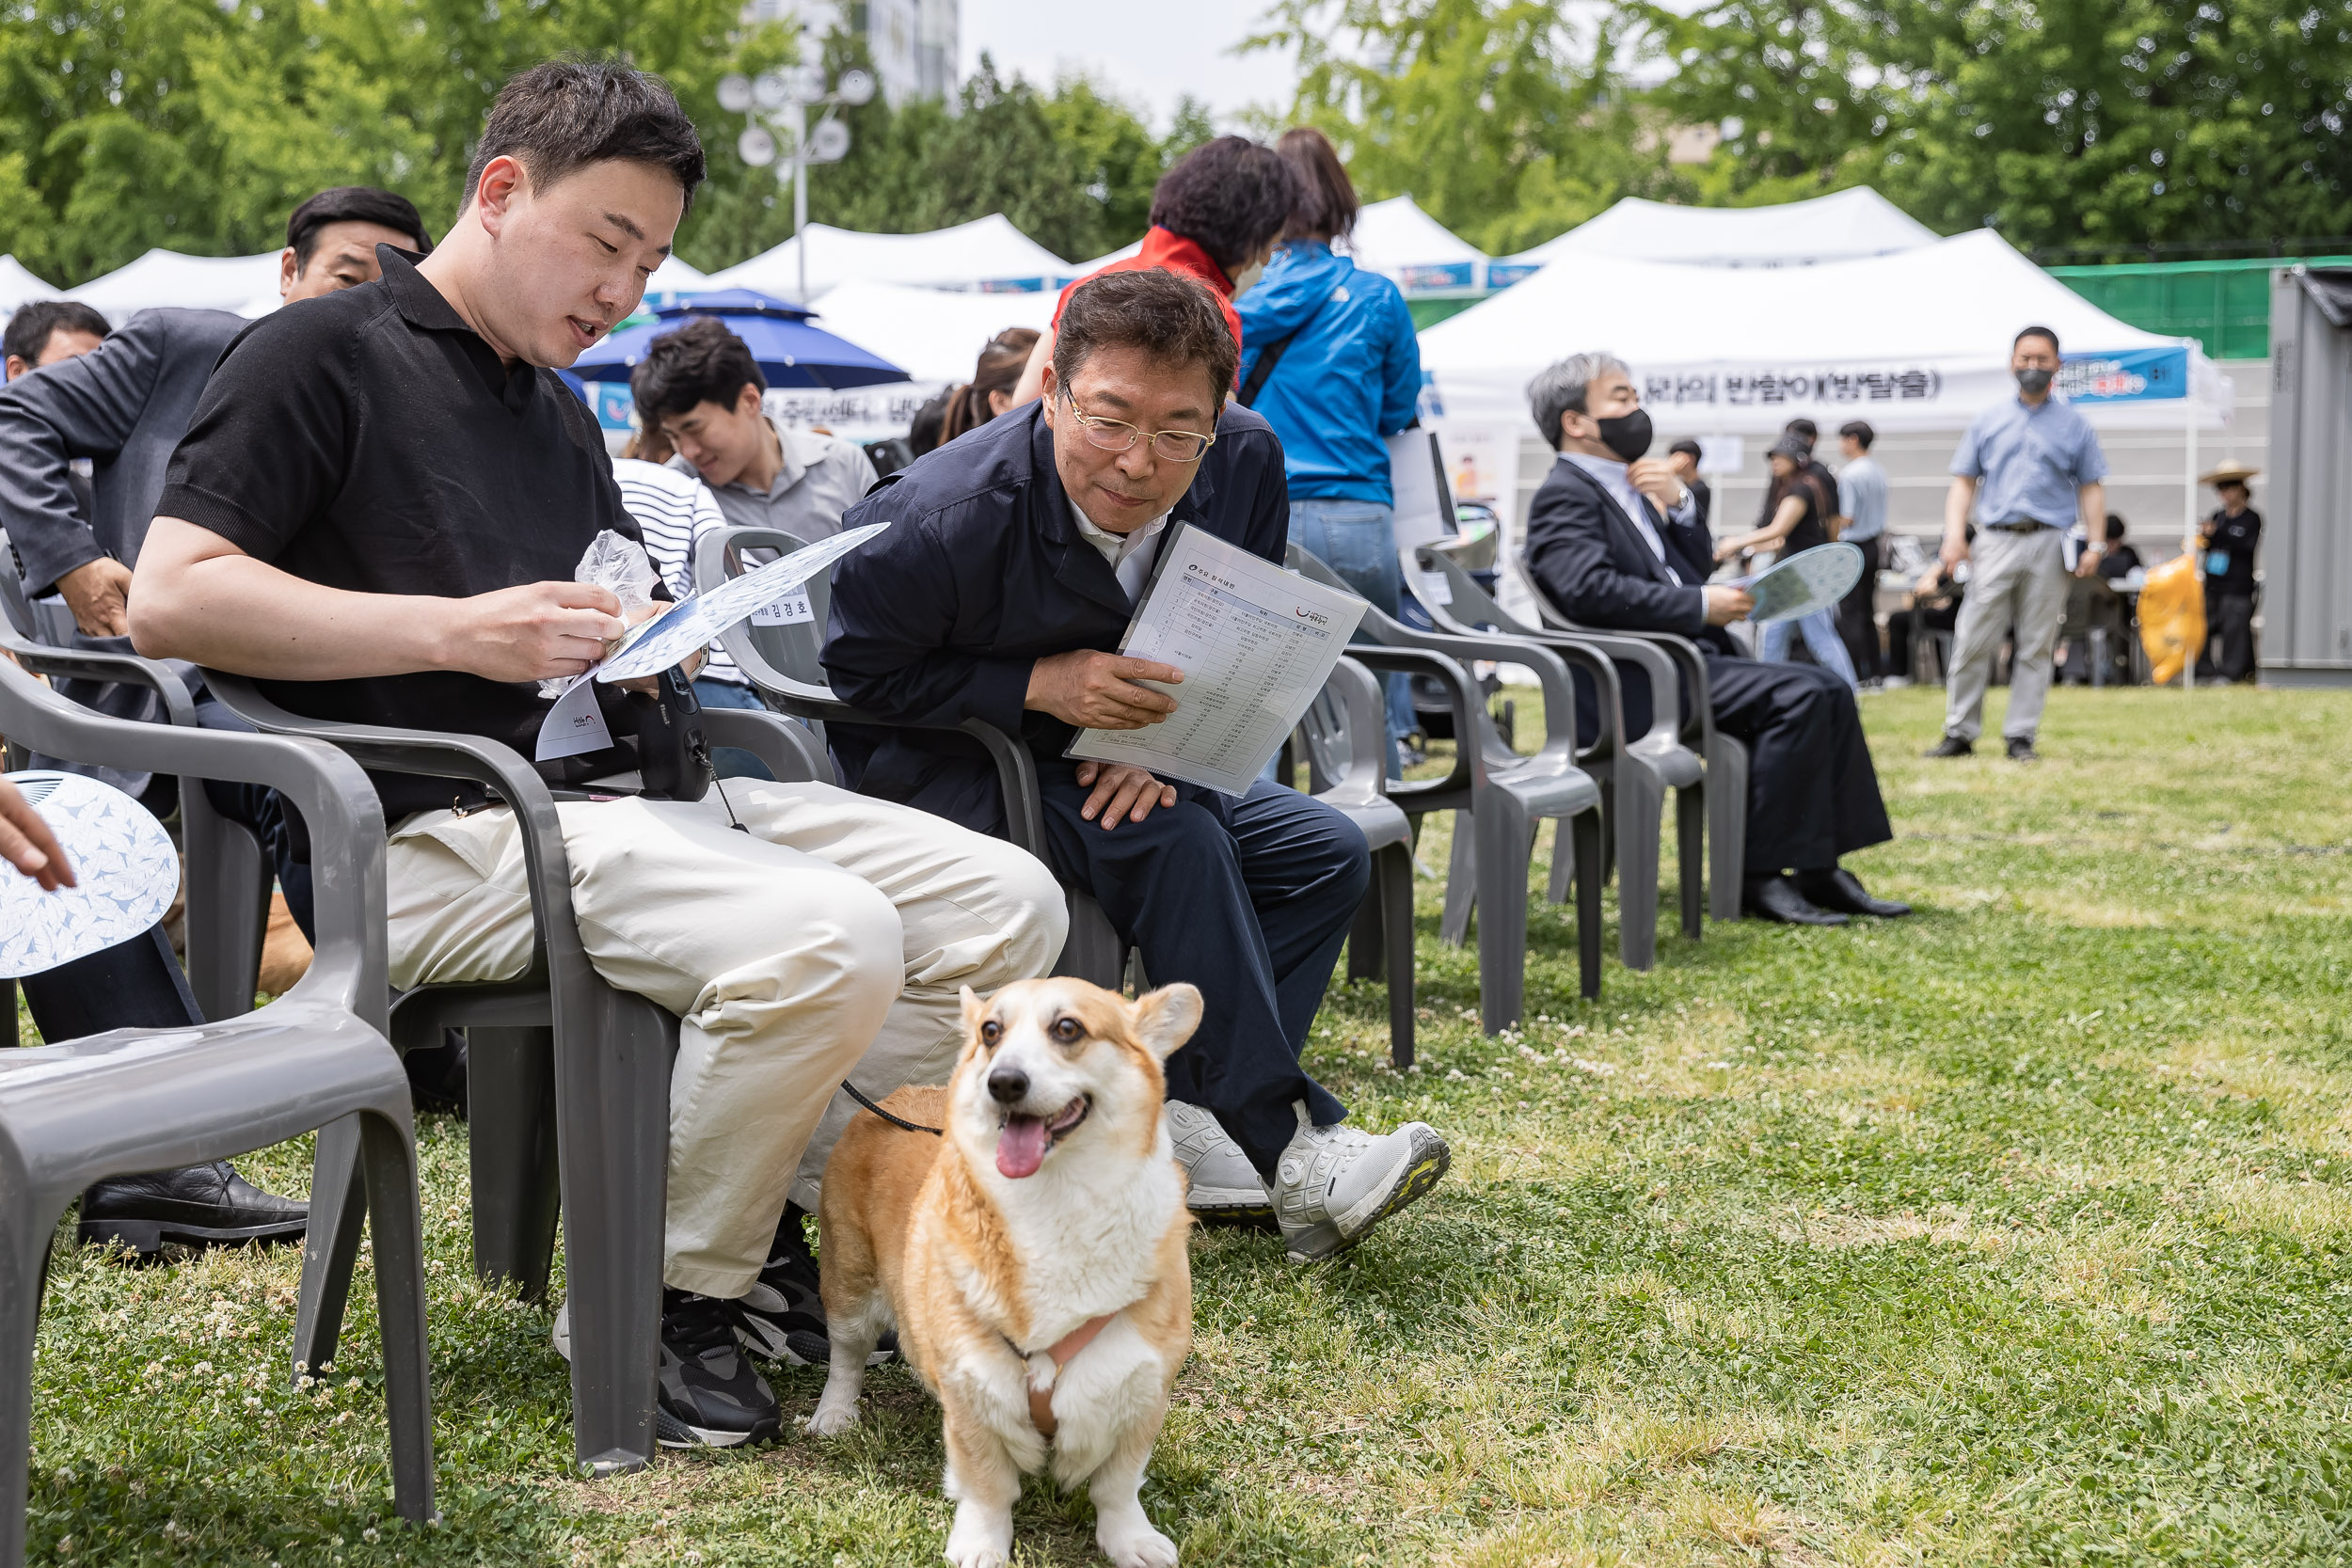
{"x": 1951, "y": 746}
{"x": 783, "y": 1313}
{"x": 2020, "y": 750}
{"x": 709, "y": 1395}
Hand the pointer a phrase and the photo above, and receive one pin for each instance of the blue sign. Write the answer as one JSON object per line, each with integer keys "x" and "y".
{"x": 614, "y": 409}
{"x": 2134, "y": 375}
{"x": 1501, "y": 275}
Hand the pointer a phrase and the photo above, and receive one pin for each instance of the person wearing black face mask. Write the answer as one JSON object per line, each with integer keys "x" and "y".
{"x": 1615, "y": 541}
{"x": 2028, "y": 466}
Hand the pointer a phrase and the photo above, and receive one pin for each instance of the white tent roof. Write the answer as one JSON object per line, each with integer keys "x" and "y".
{"x": 1081, "y": 269}
{"x": 18, "y": 284}
{"x": 675, "y": 276}
{"x": 1839, "y": 227}
{"x": 932, "y": 334}
{"x": 192, "y": 282}
{"x": 1397, "y": 240}
{"x": 985, "y": 253}
{"x": 1918, "y": 340}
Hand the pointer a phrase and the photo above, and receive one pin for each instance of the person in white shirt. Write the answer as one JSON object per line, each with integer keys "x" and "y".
{"x": 700, "y": 388}
{"x": 1862, "y": 500}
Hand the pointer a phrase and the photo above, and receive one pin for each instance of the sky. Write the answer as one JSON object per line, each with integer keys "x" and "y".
{"x": 1149, "y": 54}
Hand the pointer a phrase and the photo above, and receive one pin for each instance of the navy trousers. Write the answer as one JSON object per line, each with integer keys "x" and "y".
{"x": 1250, "y": 900}
{"x": 133, "y": 984}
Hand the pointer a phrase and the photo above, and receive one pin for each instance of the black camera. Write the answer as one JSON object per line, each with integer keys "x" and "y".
{"x": 673, "y": 751}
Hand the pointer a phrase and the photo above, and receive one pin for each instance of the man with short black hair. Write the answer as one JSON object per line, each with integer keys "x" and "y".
{"x": 331, "y": 240}
{"x": 1862, "y": 500}
{"x": 43, "y": 331}
{"x": 701, "y": 387}
{"x": 1017, "y": 556}
{"x": 1684, "y": 458}
{"x": 2028, "y": 466}
{"x": 302, "y": 542}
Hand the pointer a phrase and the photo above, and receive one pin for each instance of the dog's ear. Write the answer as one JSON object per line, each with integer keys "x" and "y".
{"x": 974, "y": 1009}
{"x": 1165, "y": 1019}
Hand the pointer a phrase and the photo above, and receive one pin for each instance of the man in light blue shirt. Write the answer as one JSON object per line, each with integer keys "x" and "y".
{"x": 1862, "y": 501}
{"x": 2029, "y": 467}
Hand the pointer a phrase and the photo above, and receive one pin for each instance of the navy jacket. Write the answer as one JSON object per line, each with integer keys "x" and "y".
{"x": 983, "y": 574}
{"x": 1586, "y": 554}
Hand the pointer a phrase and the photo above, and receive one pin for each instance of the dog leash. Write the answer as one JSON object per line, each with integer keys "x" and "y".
{"x": 894, "y": 1121}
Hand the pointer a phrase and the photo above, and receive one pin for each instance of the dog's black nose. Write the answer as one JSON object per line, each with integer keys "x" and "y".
{"x": 1008, "y": 1084}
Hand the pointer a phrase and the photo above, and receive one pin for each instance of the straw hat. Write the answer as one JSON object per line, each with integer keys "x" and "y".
{"x": 2232, "y": 472}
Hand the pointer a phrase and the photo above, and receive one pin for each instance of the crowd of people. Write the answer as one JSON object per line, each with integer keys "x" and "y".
{"x": 255, "y": 502}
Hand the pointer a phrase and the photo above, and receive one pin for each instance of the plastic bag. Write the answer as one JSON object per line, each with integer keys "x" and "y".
{"x": 621, "y": 565}
{"x": 2172, "y": 616}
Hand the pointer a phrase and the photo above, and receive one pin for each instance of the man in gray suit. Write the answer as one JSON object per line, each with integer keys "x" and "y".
{"x": 124, "y": 406}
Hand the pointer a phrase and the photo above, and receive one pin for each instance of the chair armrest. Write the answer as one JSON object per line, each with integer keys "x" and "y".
{"x": 1462, "y": 696}
{"x": 789, "y": 752}
{"x": 1367, "y": 776}
{"x": 1699, "y": 722}
{"x": 335, "y": 798}
{"x": 91, "y": 665}
{"x": 1551, "y": 673}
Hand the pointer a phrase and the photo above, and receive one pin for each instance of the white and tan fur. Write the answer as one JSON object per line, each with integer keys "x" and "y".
{"x": 929, "y": 1235}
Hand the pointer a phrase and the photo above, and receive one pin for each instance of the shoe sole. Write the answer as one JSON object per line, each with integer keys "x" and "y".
{"x": 766, "y": 1342}
{"x": 149, "y": 1236}
{"x": 671, "y": 1433}
{"x": 1424, "y": 1165}
{"x": 1229, "y": 1203}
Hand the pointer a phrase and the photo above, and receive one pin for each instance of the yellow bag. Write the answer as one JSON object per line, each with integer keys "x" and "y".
{"x": 2172, "y": 616}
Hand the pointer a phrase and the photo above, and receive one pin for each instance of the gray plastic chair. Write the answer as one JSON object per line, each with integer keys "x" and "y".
{"x": 1347, "y": 743}
{"x": 783, "y": 665}
{"x": 1725, "y": 756}
{"x": 1635, "y": 772}
{"x": 1498, "y": 798}
{"x": 138, "y": 1099}
{"x": 567, "y": 1092}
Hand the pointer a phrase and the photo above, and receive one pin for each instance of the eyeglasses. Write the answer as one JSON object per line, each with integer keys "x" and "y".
{"x": 1175, "y": 446}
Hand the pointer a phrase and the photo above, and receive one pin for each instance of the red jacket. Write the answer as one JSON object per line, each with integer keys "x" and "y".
{"x": 1174, "y": 253}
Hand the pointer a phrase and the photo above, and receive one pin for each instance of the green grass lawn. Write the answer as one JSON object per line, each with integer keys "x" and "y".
{"x": 2017, "y": 1231}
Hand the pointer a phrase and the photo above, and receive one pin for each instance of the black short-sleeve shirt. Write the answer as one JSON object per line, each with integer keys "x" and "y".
{"x": 371, "y": 441}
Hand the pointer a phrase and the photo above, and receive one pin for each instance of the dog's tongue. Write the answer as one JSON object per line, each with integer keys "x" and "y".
{"x": 1021, "y": 1147}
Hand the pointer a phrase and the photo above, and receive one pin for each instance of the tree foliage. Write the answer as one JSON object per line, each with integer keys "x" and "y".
{"x": 2062, "y": 124}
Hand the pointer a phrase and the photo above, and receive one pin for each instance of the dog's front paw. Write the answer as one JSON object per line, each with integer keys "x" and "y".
{"x": 977, "y": 1540}
{"x": 832, "y": 1421}
{"x": 1133, "y": 1543}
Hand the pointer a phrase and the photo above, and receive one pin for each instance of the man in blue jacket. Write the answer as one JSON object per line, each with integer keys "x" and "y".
{"x": 1332, "y": 363}
{"x": 1019, "y": 553}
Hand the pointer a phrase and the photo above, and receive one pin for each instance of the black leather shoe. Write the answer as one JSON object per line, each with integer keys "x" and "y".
{"x": 1840, "y": 889}
{"x": 1777, "y": 899}
{"x": 2020, "y": 750}
{"x": 1951, "y": 746}
{"x": 201, "y": 1206}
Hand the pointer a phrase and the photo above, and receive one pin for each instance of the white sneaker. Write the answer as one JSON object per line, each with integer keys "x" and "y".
{"x": 1335, "y": 1183}
{"x": 1220, "y": 1178}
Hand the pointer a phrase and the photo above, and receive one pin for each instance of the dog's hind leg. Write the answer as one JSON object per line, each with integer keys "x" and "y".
{"x": 1121, "y": 1528}
{"x": 854, "y": 1334}
{"x": 984, "y": 1481}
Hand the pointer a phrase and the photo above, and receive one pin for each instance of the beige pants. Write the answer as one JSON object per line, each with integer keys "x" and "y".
{"x": 829, "y": 943}
{"x": 2016, "y": 589}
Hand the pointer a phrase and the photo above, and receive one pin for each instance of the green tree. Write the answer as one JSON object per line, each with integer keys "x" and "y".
{"x": 2065, "y": 124}
{"x": 1500, "y": 116}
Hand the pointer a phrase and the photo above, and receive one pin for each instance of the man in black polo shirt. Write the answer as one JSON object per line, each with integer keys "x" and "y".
{"x": 377, "y": 512}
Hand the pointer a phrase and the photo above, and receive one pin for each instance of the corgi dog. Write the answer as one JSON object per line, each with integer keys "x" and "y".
{"x": 1033, "y": 1257}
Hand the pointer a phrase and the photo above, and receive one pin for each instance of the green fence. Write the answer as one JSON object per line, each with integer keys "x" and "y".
{"x": 2224, "y": 304}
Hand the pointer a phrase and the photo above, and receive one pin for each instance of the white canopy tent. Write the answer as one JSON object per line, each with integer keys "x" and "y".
{"x": 1915, "y": 340}
{"x": 933, "y": 334}
{"x": 18, "y": 285}
{"x": 1413, "y": 250}
{"x": 192, "y": 282}
{"x": 987, "y": 254}
{"x": 1840, "y": 227}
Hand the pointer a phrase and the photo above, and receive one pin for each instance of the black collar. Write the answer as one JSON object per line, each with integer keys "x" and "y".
{"x": 426, "y": 308}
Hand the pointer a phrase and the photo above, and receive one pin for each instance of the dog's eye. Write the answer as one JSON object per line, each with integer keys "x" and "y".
{"x": 991, "y": 1032}
{"x": 1066, "y": 1030}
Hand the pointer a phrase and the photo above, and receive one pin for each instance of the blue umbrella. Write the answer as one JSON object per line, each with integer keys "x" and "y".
{"x": 790, "y": 353}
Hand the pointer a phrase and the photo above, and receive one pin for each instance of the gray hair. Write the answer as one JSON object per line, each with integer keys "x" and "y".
{"x": 1559, "y": 388}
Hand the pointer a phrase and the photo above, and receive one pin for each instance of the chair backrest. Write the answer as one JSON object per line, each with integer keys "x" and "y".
{"x": 1466, "y": 603}
{"x": 791, "y": 648}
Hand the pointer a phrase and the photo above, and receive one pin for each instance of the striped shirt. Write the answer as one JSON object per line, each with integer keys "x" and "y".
{"x": 673, "y": 509}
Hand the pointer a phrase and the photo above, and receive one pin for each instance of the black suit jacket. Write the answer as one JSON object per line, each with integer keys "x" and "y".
{"x": 984, "y": 573}
{"x": 1586, "y": 554}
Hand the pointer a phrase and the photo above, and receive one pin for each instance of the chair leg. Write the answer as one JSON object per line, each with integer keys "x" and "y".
{"x": 1691, "y": 854}
{"x": 510, "y": 1112}
{"x": 29, "y": 1224}
{"x": 1503, "y": 844}
{"x": 1635, "y": 817}
{"x": 1562, "y": 862}
{"x": 613, "y": 1107}
{"x": 1365, "y": 952}
{"x": 1589, "y": 840}
{"x": 390, "y": 1153}
{"x": 1396, "y": 871}
{"x": 228, "y": 918}
{"x": 1461, "y": 882}
{"x": 338, "y": 1210}
{"x": 1727, "y": 824}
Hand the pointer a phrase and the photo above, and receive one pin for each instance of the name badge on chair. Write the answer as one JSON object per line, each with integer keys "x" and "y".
{"x": 791, "y": 609}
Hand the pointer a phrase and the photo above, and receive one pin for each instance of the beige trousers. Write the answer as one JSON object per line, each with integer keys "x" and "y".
{"x": 831, "y": 942}
{"x": 2016, "y": 589}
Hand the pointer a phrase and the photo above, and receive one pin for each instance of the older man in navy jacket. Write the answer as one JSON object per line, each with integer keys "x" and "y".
{"x": 1020, "y": 551}
{"x": 1615, "y": 542}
